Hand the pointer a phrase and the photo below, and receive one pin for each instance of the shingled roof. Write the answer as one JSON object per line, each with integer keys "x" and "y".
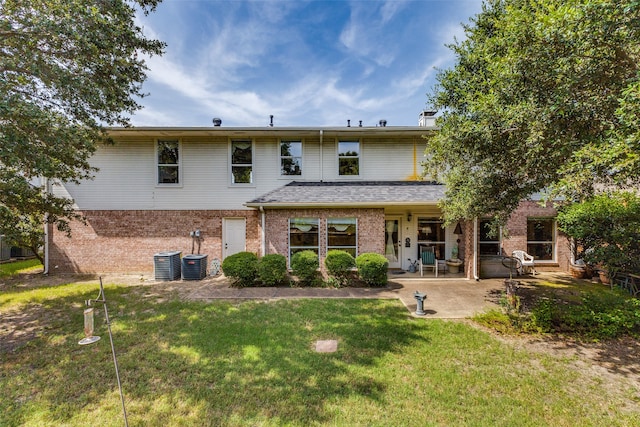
{"x": 351, "y": 193}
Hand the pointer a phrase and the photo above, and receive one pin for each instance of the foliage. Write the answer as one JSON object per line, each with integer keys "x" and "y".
{"x": 372, "y": 268}
{"x": 304, "y": 265}
{"x": 272, "y": 269}
{"x": 606, "y": 314}
{"x": 545, "y": 94}
{"x": 606, "y": 229}
{"x": 68, "y": 68}
{"x": 241, "y": 268}
{"x": 340, "y": 265}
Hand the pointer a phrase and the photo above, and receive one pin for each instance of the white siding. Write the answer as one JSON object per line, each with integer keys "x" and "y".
{"x": 127, "y": 176}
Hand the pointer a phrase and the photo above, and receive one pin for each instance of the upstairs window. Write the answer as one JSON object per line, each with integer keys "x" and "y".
{"x": 349, "y": 158}
{"x": 241, "y": 162}
{"x": 168, "y": 159}
{"x": 540, "y": 238}
{"x": 291, "y": 158}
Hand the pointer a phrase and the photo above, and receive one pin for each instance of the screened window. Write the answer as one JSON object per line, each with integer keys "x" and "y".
{"x": 432, "y": 233}
{"x": 342, "y": 234}
{"x": 349, "y": 158}
{"x": 540, "y": 238}
{"x": 168, "y": 162}
{"x": 290, "y": 158}
{"x": 303, "y": 235}
{"x": 241, "y": 162}
{"x": 489, "y": 242}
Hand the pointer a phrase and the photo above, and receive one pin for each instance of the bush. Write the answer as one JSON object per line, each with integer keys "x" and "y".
{"x": 305, "y": 265}
{"x": 340, "y": 265}
{"x": 272, "y": 269}
{"x": 241, "y": 268}
{"x": 372, "y": 269}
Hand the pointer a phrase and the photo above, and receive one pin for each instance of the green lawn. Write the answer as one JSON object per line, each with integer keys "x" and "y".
{"x": 26, "y": 266}
{"x": 254, "y": 364}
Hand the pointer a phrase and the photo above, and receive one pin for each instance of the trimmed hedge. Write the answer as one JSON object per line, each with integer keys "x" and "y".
{"x": 272, "y": 269}
{"x": 372, "y": 268}
{"x": 305, "y": 266}
{"x": 340, "y": 265}
{"x": 241, "y": 268}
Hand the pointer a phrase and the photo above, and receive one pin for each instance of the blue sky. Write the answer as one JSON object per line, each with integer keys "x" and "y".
{"x": 306, "y": 62}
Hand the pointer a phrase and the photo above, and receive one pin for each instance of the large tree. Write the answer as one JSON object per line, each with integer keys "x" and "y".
{"x": 544, "y": 95}
{"x": 68, "y": 68}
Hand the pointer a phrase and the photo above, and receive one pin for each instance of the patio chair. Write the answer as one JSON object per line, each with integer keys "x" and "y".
{"x": 428, "y": 260}
{"x": 527, "y": 263}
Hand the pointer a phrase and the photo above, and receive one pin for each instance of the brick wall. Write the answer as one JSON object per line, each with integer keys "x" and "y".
{"x": 370, "y": 228}
{"x": 125, "y": 241}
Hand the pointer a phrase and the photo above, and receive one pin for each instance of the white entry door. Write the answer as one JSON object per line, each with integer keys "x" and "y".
{"x": 392, "y": 242}
{"x": 234, "y": 237}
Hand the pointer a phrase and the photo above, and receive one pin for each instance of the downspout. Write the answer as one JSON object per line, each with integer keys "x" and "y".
{"x": 46, "y": 231}
{"x": 475, "y": 249}
{"x": 263, "y": 234}
{"x": 321, "y": 166}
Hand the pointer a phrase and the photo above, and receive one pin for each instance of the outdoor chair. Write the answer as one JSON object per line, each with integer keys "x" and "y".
{"x": 527, "y": 264}
{"x": 428, "y": 260}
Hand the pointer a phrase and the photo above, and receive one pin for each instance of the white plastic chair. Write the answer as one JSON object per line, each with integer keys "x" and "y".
{"x": 527, "y": 263}
{"x": 428, "y": 260}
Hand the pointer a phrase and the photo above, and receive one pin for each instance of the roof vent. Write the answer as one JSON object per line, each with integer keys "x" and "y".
{"x": 383, "y": 123}
{"x": 271, "y": 120}
{"x": 348, "y": 123}
{"x": 217, "y": 121}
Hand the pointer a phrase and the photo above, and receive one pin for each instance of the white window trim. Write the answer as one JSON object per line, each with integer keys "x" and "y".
{"x": 157, "y": 165}
{"x": 251, "y": 182}
{"x": 280, "y": 157}
{"x": 338, "y": 157}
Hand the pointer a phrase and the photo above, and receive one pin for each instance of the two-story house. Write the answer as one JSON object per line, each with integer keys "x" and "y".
{"x": 273, "y": 190}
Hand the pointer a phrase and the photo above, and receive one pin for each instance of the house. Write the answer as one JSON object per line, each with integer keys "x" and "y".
{"x": 275, "y": 190}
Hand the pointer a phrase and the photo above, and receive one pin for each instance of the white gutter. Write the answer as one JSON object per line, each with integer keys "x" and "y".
{"x": 475, "y": 248}
{"x": 263, "y": 234}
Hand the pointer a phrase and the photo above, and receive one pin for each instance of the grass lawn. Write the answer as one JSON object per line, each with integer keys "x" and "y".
{"x": 26, "y": 266}
{"x": 254, "y": 364}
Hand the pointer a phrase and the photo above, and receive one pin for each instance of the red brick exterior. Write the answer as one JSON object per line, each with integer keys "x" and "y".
{"x": 370, "y": 228}
{"x": 125, "y": 241}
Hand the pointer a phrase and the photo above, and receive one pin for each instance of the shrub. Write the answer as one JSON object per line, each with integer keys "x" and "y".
{"x": 305, "y": 265}
{"x": 340, "y": 265}
{"x": 241, "y": 268}
{"x": 272, "y": 269}
{"x": 372, "y": 268}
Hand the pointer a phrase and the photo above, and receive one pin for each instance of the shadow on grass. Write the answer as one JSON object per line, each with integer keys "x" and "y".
{"x": 248, "y": 362}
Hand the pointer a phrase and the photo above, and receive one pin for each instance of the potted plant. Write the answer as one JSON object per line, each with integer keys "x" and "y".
{"x": 453, "y": 265}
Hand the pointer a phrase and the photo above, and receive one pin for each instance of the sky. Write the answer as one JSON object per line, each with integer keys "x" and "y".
{"x": 306, "y": 62}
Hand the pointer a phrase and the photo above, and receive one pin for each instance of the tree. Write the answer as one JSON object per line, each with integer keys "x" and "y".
{"x": 68, "y": 69}
{"x": 606, "y": 230}
{"x": 544, "y": 96}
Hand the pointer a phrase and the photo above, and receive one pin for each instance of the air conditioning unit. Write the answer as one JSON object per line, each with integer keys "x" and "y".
{"x": 194, "y": 267}
{"x": 166, "y": 265}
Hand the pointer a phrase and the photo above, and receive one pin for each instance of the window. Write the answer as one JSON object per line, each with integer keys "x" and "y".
{"x": 540, "y": 238}
{"x": 349, "y": 158}
{"x": 431, "y": 233}
{"x": 241, "y": 162}
{"x": 342, "y": 234}
{"x": 290, "y": 158}
{"x": 489, "y": 243}
{"x": 303, "y": 235}
{"x": 168, "y": 157}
